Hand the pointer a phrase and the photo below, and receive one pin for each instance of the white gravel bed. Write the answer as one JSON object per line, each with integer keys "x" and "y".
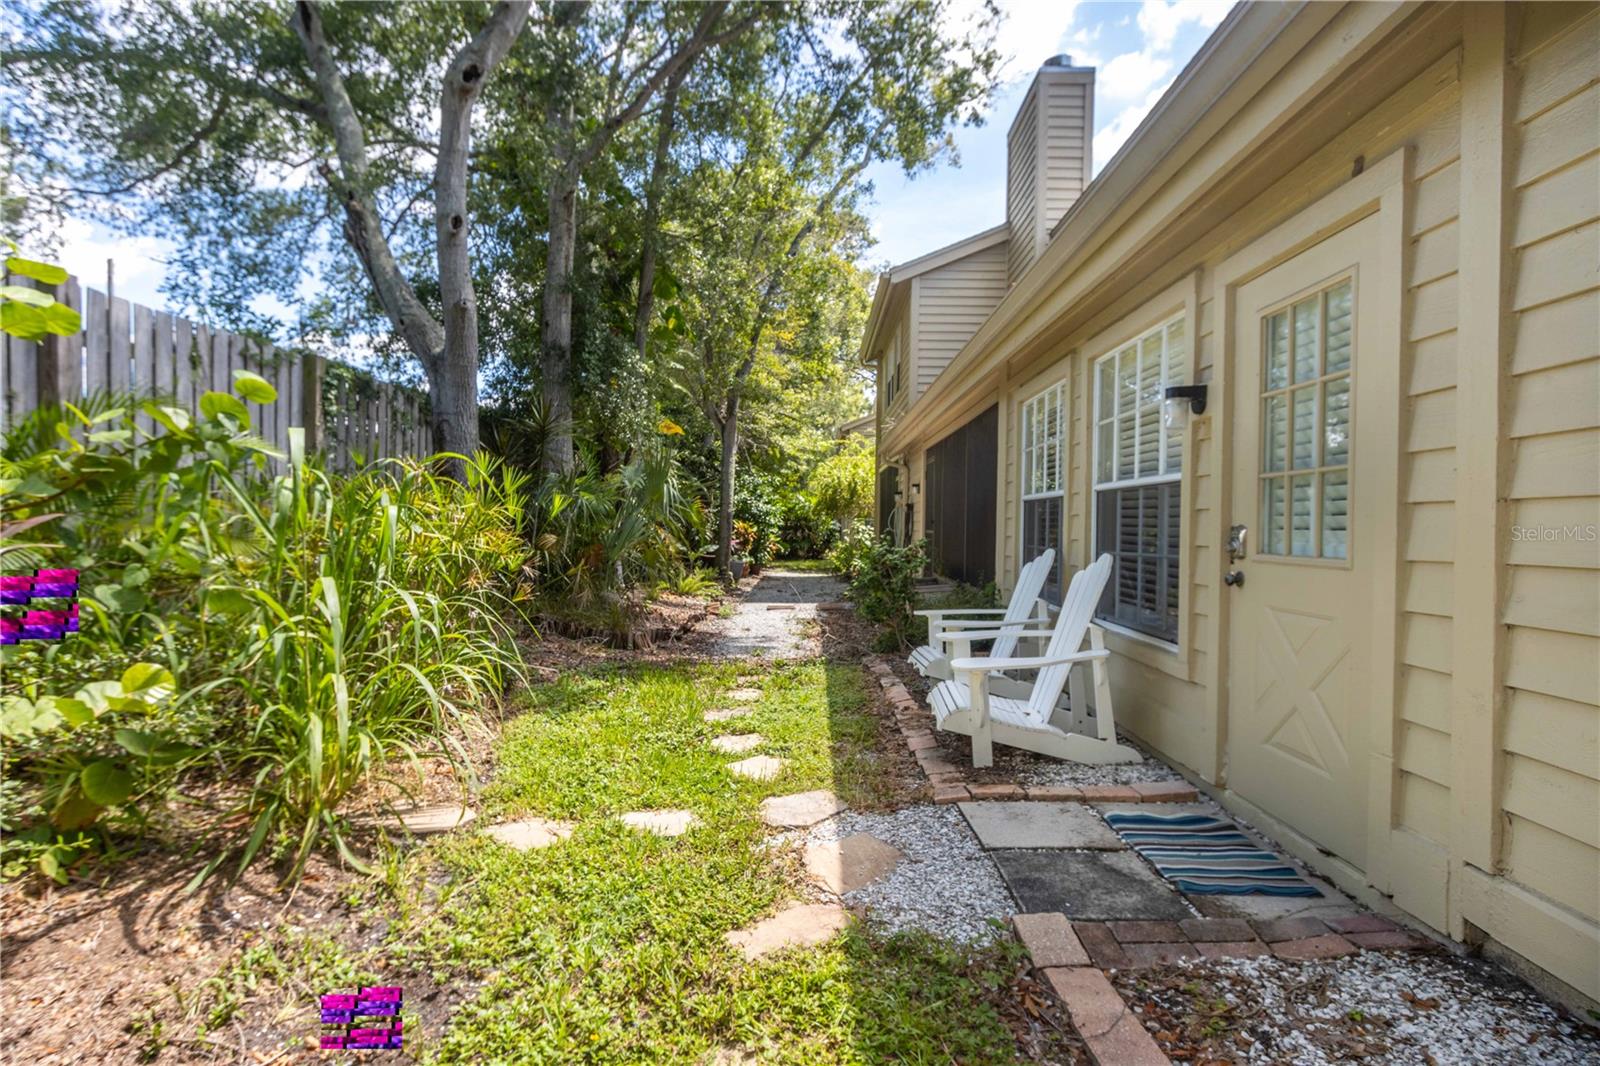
{"x": 1044, "y": 771}
{"x": 1401, "y": 1008}
{"x": 946, "y": 884}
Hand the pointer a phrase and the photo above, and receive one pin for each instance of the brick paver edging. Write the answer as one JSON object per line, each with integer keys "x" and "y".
{"x": 951, "y": 783}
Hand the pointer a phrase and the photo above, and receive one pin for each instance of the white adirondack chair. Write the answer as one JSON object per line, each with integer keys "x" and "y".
{"x": 970, "y": 705}
{"x": 932, "y": 659}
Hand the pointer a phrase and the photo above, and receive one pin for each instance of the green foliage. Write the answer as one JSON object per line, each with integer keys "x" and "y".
{"x": 842, "y": 483}
{"x": 30, "y": 314}
{"x": 963, "y": 595}
{"x": 850, "y": 549}
{"x": 884, "y": 587}
{"x": 306, "y": 632}
{"x": 758, "y": 514}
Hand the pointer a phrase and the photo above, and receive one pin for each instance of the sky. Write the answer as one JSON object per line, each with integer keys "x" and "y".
{"x": 1136, "y": 48}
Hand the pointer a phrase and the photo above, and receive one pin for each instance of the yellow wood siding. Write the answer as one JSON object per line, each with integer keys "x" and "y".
{"x": 1068, "y": 106}
{"x": 1022, "y": 148}
{"x": 951, "y": 303}
{"x": 1551, "y": 602}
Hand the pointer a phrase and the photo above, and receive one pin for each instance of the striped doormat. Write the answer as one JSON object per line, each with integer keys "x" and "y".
{"x": 1208, "y": 856}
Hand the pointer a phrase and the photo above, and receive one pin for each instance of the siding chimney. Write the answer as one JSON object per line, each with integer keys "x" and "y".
{"x": 1047, "y": 158}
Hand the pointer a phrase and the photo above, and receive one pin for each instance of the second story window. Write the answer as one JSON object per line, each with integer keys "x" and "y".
{"x": 894, "y": 365}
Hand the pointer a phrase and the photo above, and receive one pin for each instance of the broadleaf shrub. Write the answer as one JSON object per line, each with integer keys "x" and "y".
{"x": 884, "y": 588}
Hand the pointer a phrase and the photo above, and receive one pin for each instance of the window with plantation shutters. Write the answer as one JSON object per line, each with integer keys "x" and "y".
{"x": 1305, "y": 426}
{"x": 1138, "y": 466}
{"x": 1043, "y": 441}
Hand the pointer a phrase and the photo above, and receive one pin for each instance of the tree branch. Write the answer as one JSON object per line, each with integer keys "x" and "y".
{"x": 363, "y": 229}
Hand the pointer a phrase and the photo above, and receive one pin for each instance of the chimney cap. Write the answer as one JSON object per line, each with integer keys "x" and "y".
{"x": 1060, "y": 60}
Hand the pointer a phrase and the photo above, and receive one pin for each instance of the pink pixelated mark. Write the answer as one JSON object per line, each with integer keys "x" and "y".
{"x": 39, "y": 623}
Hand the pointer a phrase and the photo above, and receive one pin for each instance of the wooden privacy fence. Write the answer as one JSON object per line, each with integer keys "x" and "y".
{"x": 124, "y": 347}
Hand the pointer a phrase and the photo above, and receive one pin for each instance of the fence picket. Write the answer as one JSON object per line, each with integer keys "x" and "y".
{"x": 144, "y": 369}
{"x": 121, "y": 357}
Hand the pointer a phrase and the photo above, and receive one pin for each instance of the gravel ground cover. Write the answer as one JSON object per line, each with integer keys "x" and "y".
{"x": 1390, "y": 1007}
{"x": 946, "y": 885}
{"x": 1039, "y": 770}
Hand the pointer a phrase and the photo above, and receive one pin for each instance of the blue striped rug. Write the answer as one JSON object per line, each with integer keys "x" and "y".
{"x": 1207, "y": 856}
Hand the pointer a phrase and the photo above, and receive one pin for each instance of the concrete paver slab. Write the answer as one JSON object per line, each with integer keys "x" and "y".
{"x": 1092, "y": 885}
{"x": 1035, "y": 824}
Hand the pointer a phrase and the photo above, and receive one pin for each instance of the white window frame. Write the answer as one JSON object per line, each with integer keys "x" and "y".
{"x": 1031, "y": 450}
{"x": 1169, "y": 468}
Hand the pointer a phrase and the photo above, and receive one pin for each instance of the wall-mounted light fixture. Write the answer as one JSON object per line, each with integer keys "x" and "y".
{"x": 1179, "y": 401}
{"x": 916, "y": 490}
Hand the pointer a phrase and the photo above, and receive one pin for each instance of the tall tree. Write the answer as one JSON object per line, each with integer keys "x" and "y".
{"x": 780, "y": 207}
{"x": 202, "y": 114}
{"x": 640, "y": 53}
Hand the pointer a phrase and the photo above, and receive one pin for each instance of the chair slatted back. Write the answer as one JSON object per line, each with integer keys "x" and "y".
{"x": 1030, "y": 582}
{"x": 1072, "y": 627}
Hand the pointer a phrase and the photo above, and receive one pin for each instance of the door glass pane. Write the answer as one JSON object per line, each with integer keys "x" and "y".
{"x": 1338, "y": 343}
{"x": 1272, "y": 519}
{"x": 1305, "y": 340}
{"x": 1277, "y": 345}
{"x": 1336, "y": 422}
{"x": 1301, "y": 536}
{"x": 1335, "y": 514}
{"x": 1275, "y": 437}
{"x": 1305, "y": 427}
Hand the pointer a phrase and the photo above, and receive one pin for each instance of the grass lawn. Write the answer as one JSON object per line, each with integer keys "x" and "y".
{"x": 608, "y": 947}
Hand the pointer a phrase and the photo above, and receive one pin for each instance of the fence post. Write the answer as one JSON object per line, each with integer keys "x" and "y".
{"x": 61, "y": 358}
{"x": 310, "y": 367}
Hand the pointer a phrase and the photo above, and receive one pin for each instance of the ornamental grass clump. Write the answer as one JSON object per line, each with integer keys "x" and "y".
{"x": 318, "y": 631}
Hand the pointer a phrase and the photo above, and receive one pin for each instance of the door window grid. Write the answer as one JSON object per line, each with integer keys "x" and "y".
{"x": 1304, "y": 489}
{"x": 1043, "y": 436}
{"x": 1138, "y": 466}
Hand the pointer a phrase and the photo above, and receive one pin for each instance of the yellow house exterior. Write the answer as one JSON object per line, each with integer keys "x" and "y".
{"x": 1372, "y": 232}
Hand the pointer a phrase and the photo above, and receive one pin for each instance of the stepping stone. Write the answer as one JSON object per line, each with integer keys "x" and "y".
{"x": 852, "y": 863}
{"x": 738, "y": 742}
{"x": 800, "y": 809}
{"x": 530, "y": 833}
{"x": 661, "y": 823}
{"x": 434, "y": 818}
{"x": 799, "y": 925}
{"x": 1089, "y": 885}
{"x": 758, "y": 767}
{"x": 745, "y": 695}
{"x": 1035, "y": 824}
{"x": 728, "y": 714}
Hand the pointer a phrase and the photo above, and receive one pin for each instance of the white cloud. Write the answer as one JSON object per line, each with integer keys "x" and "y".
{"x": 1030, "y": 31}
{"x": 1114, "y": 133}
{"x": 1160, "y": 21}
{"x": 1130, "y": 75}
{"x": 140, "y": 262}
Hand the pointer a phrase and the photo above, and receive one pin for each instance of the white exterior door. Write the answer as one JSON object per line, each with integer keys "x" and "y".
{"x": 1300, "y": 591}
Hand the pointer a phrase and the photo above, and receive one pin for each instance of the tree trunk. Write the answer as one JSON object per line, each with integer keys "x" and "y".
{"x": 730, "y": 450}
{"x": 454, "y": 381}
{"x": 555, "y": 369}
{"x": 448, "y": 352}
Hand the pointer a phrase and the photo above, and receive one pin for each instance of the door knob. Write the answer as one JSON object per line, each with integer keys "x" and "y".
{"x": 1234, "y": 578}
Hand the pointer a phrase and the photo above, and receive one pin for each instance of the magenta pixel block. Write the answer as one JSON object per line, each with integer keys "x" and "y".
{"x": 356, "y": 1015}
{"x": 41, "y": 623}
